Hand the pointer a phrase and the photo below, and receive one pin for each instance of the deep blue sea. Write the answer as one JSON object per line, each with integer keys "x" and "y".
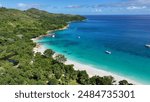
{"x": 124, "y": 35}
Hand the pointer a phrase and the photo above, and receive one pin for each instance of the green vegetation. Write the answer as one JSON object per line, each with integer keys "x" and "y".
{"x": 48, "y": 53}
{"x": 124, "y": 82}
{"x": 60, "y": 58}
{"x": 106, "y": 80}
{"x": 19, "y": 64}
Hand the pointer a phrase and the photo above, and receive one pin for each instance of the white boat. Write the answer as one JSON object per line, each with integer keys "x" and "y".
{"x": 53, "y": 36}
{"x": 108, "y": 52}
{"x": 79, "y": 37}
{"x": 147, "y": 45}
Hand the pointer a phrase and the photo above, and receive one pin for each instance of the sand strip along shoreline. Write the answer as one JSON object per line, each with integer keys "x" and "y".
{"x": 92, "y": 71}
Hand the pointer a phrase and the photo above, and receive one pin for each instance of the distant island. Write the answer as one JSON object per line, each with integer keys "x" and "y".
{"x": 21, "y": 64}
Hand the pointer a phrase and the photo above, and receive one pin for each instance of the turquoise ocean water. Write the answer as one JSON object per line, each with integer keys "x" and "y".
{"x": 125, "y": 36}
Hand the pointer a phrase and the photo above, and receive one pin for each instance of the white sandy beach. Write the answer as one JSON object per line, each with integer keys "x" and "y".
{"x": 94, "y": 71}
{"x": 90, "y": 70}
{"x": 39, "y": 48}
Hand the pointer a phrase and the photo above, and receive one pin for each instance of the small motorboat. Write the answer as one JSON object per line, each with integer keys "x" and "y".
{"x": 79, "y": 37}
{"x": 147, "y": 45}
{"x": 53, "y": 36}
{"x": 108, "y": 52}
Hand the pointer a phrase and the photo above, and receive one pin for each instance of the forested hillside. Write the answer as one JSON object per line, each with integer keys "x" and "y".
{"x": 19, "y": 65}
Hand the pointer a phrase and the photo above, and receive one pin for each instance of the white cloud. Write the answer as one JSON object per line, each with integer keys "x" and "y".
{"x": 133, "y": 4}
{"x": 143, "y": 1}
{"x": 136, "y": 7}
{"x": 26, "y": 6}
{"x": 140, "y": 2}
{"x": 98, "y": 10}
{"x": 22, "y": 5}
{"x": 74, "y": 6}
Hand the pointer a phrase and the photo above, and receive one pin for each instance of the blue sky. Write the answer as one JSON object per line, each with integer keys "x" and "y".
{"x": 85, "y": 7}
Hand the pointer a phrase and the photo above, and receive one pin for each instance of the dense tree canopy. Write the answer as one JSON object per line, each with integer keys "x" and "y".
{"x": 48, "y": 53}
{"x": 60, "y": 58}
{"x": 124, "y": 82}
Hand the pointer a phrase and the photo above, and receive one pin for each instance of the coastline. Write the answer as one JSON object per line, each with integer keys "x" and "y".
{"x": 65, "y": 27}
{"x": 50, "y": 33}
{"x": 38, "y": 48}
{"x": 92, "y": 71}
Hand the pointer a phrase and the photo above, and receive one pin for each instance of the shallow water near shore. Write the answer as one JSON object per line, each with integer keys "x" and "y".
{"x": 124, "y": 36}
